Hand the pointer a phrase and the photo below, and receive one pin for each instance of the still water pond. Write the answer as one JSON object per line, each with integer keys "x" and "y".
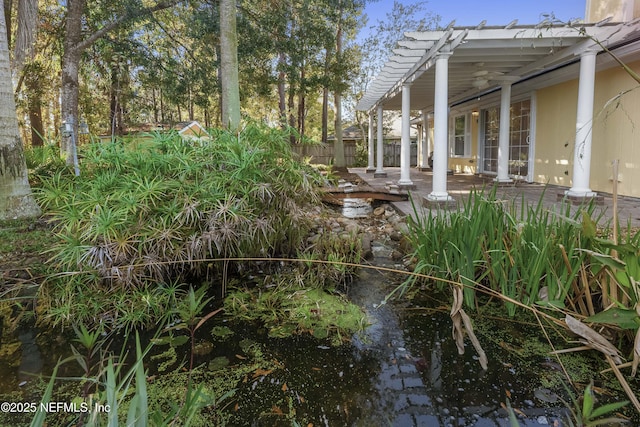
{"x": 404, "y": 370}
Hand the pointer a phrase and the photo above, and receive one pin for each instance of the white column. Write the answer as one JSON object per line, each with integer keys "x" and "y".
{"x": 405, "y": 142}
{"x": 380, "y": 173}
{"x": 584, "y": 125}
{"x": 419, "y": 140}
{"x": 424, "y": 145}
{"x": 503, "y": 138}
{"x": 428, "y": 139}
{"x": 370, "y": 166}
{"x": 440, "y": 130}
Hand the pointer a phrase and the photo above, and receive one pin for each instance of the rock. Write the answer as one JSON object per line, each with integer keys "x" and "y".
{"x": 395, "y": 236}
{"x": 388, "y": 229}
{"x": 335, "y": 226}
{"x": 379, "y": 211}
{"x": 365, "y": 240}
{"x": 394, "y": 219}
{"x": 352, "y": 228}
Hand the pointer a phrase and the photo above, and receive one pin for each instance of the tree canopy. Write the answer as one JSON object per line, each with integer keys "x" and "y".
{"x": 126, "y": 65}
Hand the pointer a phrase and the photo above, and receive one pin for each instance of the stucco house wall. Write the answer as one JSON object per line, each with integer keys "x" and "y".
{"x": 616, "y": 132}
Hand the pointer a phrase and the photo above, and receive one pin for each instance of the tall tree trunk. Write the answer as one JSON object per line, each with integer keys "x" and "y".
{"x": 120, "y": 118}
{"x": 325, "y": 115}
{"x": 339, "y": 160}
{"x": 229, "y": 65}
{"x": 114, "y": 105}
{"x": 23, "y": 53}
{"x": 301, "y": 103}
{"x": 16, "y": 200}
{"x": 71, "y": 71}
{"x": 162, "y": 117}
{"x": 301, "y": 115}
{"x": 26, "y": 35}
{"x": 155, "y": 105}
{"x": 35, "y": 117}
{"x": 191, "y": 106}
{"x": 325, "y": 98}
{"x": 33, "y": 93}
{"x": 7, "y": 7}
{"x": 282, "y": 92}
{"x": 292, "y": 117}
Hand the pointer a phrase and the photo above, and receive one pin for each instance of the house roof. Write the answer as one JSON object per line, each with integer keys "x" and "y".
{"x": 351, "y": 132}
{"x": 191, "y": 129}
{"x": 483, "y": 58}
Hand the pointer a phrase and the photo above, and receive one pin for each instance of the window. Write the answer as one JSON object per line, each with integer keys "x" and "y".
{"x": 460, "y": 145}
{"x": 519, "y": 139}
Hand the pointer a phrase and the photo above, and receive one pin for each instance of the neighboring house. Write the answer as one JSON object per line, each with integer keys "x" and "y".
{"x": 351, "y": 134}
{"x": 192, "y": 131}
{"x": 541, "y": 103}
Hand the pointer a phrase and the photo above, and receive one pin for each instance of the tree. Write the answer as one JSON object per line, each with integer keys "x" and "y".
{"x": 381, "y": 40}
{"x": 347, "y": 16}
{"x": 24, "y": 52}
{"x": 16, "y": 200}
{"x": 229, "y": 65}
{"x": 75, "y": 43}
{"x": 339, "y": 160}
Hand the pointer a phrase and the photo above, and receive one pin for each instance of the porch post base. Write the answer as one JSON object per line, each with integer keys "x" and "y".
{"x": 581, "y": 197}
{"x": 439, "y": 200}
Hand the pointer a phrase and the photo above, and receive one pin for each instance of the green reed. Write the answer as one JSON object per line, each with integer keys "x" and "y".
{"x": 521, "y": 250}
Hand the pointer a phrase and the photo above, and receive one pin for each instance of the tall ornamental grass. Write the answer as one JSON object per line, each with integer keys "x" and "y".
{"x": 522, "y": 251}
{"x": 161, "y": 209}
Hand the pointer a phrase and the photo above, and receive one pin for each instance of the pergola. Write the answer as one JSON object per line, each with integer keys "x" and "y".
{"x": 431, "y": 71}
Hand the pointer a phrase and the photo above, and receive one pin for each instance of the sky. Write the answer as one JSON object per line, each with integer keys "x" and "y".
{"x": 496, "y": 12}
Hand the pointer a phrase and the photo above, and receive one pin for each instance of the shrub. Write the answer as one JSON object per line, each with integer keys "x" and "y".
{"x": 162, "y": 209}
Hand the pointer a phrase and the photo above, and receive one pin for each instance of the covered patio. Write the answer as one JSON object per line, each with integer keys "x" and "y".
{"x": 432, "y": 72}
{"x": 460, "y": 185}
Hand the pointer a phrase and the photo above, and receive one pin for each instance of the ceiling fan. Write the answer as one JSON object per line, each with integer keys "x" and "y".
{"x": 482, "y": 77}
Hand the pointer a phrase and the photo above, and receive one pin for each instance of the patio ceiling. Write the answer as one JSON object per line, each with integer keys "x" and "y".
{"x": 482, "y": 59}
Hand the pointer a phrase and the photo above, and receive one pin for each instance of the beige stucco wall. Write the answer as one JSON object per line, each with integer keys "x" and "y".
{"x": 555, "y": 133}
{"x": 616, "y": 133}
{"x": 619, "y": 10}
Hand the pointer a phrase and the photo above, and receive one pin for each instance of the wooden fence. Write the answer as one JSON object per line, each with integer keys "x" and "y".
{"x": 323, "y": 153}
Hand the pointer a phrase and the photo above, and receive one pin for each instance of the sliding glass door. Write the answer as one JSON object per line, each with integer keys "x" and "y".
{"x": 519, "y": 139}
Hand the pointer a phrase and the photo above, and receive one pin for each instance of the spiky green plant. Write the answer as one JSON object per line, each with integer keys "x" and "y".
{"x": 161, "y": 209}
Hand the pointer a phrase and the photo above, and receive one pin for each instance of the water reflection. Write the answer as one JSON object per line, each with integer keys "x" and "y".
{"x": 404, "y": 370}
